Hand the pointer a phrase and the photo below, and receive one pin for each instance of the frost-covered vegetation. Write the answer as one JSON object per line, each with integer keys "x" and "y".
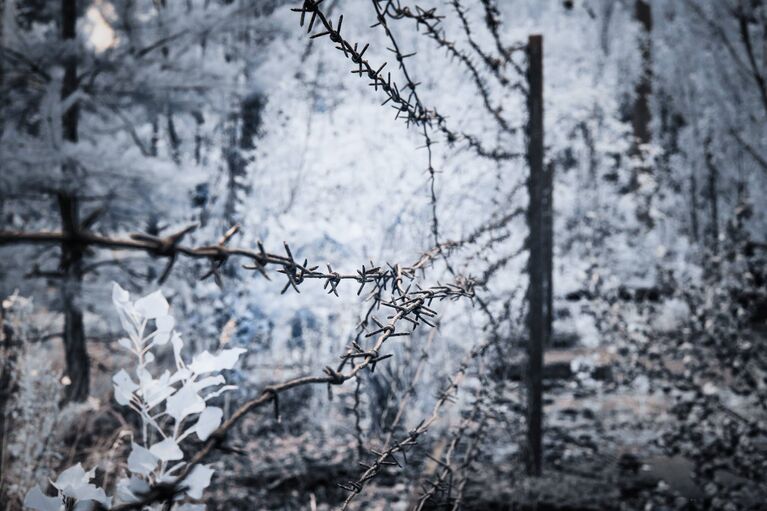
{"x": 352, "y": 281}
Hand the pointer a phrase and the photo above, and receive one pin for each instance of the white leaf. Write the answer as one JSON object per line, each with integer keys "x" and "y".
{"x": 37, "y": 500}
{"x": 73, "y": 477}
{"x": 121, "y": 300}
{"x": 220, "y": 391}
{"x": 161, "y": 338}
{"x": 208, "y": 382}
{"x": 209, "y": 420}
{"x": 167, "y": 450}
{"x": 126, "y": 343}
{"x": 89, "y": 492}
{"x": 198, "y": 480}
{"x": 165, "y": 323}
{"x": 154, "y": 391}
{"x": 120, "y": 297}
{"x": 165, "y": 326}
{"x": 149, "y": 358}
{"x": 131, "y": 490}
{"x": 191, "y": 507}
{"x": 182, "y": 374}
{"x": 153, "y": 305}
{"x": 184, "y": 402}
{"x": 124, "y": 387}
{"x": 141, "y": 461}
{"x": 207, "y": 363}
{"x": 74, "y": 482}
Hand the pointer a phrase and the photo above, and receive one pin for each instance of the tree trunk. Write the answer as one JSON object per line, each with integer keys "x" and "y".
{"x": 694, "y": 223}
{"x": 4, "y": 44}
{"x": 241, "y": 141}
{"x": 77, "y": 364}
{"x": 235, "y": 169}
{"x": 154, "y": 141}
{"x": 713, "y": 202}
{"x": 173, "y": 139}
{"x": 69, "y": 84}
{"x": 199, "y": 120}
{"x": 641, "y": 117}
{"x": 640, "y": 112}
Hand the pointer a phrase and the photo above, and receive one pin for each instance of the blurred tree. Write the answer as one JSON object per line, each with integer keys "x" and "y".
{"x": 84, "y": 90}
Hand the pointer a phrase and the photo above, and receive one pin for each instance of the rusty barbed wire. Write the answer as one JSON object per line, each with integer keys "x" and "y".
{"x": 475, "y": 437}
{"x": 494, "y": 64}
{"x": 431, "y": 21}
{"x": 358, "y": 418}
{"x": 386, "y": 456}
{"x": 428, "y": 18}
{"x": 412, "y": 307}
{"x": 474, "y": 237}
{"x": 416, "y": 113}
{"x": 493, "y": 23}
{"x": 404, "y": 399}
{"x": 413, "y": 96}
{"x": 409, "y": 303}
{"x": 442, "y": 485}
{"x": 410, "y": 105}
{"x": 392, "y": 276}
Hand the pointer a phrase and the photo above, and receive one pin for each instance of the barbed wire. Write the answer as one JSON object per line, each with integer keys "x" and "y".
{"x": 413, "y": 112}
{"x": 413, "y": 96}
{"x": 493, "y": 23}
{"x": 409, "y": 104}
{"x": 412, "y": 307}
{"x": 431, "y": 21}
{"x": 407, "y": 394}
{"x": 470, "y": 426}
{"x": 412, "y": 105}
{"x": 475, "y": 437}
{"x": 386, "y": 456}
{"x": 171, "y": 248}
{"x": 409, "y": 302}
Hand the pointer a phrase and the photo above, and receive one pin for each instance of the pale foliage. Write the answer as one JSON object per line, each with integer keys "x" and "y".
{"x": 172, "y": 407}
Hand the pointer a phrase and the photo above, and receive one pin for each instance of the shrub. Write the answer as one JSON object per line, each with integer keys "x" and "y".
{"x": 172, "y": 406}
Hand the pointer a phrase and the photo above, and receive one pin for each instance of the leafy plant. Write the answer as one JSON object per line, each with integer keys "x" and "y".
{"x": 172, "y": 406}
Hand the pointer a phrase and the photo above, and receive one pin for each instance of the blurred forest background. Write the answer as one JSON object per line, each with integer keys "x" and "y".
{"x": 120, "y": 117}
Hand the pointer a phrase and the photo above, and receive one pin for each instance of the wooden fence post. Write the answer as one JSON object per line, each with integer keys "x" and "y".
{"x": 538, "y": 216}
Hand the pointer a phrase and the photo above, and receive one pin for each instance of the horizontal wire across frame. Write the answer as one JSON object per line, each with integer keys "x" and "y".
{"x": 409, "y": 305}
